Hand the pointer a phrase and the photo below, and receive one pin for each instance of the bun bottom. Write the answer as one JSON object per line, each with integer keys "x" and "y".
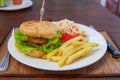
{"x": 34, "y": 53}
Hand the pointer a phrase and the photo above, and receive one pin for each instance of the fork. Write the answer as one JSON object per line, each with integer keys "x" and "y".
{"x": 5, "y": 61}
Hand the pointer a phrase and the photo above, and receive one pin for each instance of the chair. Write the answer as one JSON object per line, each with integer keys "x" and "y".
{"x": 113, "y": 6}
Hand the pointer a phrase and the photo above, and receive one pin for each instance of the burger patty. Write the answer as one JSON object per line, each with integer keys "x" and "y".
{"x": 36, "y": 41}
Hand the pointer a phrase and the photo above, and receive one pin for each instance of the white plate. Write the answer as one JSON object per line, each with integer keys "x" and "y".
{"x": 96, "y": 54}
{"x": 12, "y": 7}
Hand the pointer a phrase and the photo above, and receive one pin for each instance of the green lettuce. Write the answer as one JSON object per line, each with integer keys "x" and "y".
{"x": 26, "y": 47}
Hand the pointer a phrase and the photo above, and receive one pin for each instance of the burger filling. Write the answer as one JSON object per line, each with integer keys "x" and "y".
{"x": 26, "y": 43}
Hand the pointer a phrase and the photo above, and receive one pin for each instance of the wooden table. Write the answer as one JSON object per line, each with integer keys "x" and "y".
{"x": 86, "y": 12}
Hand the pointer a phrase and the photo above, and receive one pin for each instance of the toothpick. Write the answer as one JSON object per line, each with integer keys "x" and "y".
{"x": 42, "y": 10}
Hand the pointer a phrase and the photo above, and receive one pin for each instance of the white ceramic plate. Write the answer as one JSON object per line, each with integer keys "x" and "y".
{"x": 12, "y": 7}
{"x": 96, "y": 54}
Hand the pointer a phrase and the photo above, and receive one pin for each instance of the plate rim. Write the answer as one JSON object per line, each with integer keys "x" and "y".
{"x": 7, "y": 8}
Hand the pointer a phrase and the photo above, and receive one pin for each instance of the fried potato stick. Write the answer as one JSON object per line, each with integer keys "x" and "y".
{"x": 87, "y": 47}
{"x": 55, "y": 58}
{"x": 68, "y": 52}
{"x": 53, "y": 53}
{"x": 77, "y": 55}
{"x": 69, "y": 42}
{"x": 64, "y": 55}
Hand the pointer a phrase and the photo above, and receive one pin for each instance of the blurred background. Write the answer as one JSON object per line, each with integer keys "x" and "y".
{"x": 111, "y": 5}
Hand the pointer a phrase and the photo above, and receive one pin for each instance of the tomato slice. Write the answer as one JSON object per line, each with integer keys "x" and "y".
{"x": 66, "y": 37}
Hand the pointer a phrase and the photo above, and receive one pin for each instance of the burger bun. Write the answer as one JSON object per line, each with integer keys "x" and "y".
{"x": 36, "y": 28}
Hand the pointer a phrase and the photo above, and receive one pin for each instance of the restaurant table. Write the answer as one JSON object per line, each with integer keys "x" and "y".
{"x": 86, "y": 12}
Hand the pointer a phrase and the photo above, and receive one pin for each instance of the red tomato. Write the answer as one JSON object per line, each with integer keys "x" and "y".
{"x": 66, "y": 37}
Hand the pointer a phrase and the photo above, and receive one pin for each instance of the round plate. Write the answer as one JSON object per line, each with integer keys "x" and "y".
{"x": 12, "y": 7}
{"x": 96, "y": 54}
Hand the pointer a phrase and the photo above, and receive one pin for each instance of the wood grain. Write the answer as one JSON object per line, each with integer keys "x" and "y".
{"x": 86, "y": 12}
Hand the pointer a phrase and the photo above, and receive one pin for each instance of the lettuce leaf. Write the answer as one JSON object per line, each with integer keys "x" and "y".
{"x": 26, "y": 47}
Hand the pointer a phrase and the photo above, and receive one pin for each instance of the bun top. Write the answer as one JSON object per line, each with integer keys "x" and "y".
{"x": 35, "y": 28}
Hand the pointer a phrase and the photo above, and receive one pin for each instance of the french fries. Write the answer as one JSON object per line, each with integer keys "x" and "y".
{"x": 78, "y": 54}
{"x": 69, "y": 42}
{"x": 71, "y": 51}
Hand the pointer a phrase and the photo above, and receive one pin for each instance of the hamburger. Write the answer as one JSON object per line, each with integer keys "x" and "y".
{"x": 37, "y": 38}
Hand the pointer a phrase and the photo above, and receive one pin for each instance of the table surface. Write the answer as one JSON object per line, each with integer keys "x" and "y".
{"x": 86, "y": 12}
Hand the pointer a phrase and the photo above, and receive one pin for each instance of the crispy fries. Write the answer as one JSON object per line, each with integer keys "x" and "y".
{"x": 78, "y": 54}
{"x": 69, "y": 42}
{"x": 71, "y": 51}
